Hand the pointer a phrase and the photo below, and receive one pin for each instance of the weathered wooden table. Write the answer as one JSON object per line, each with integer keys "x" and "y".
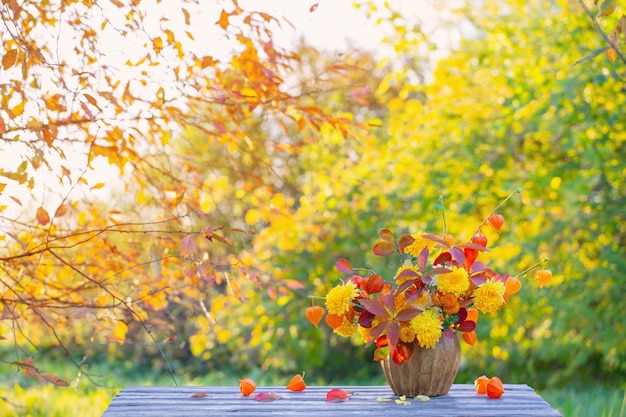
{"x": 462, "y": 400}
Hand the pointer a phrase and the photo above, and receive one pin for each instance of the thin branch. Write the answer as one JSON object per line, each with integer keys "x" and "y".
{"x": 599, "y": 29}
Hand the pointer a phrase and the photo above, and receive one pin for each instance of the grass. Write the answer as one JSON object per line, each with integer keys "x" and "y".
{"x": 24, "y": 397}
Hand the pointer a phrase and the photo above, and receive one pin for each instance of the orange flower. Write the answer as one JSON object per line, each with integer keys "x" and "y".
{"x": 481, "y": 384}
{"x": 297, "y": 383}
{"x": 495, "y": 389}
{"x": 246, "y": 386}
{"x": 314, "y": 314}
{"x": 450, "y": 303}
{"x": 544, "y": 276}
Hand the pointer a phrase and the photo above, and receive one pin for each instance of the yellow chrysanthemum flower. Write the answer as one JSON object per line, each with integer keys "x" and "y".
{"x": 427, "y": 328}
{"x": 339, "y": 299}
{"x": 489, "y": 297}
{"x": 347, "y": 328}
{"x": 407, "y": 334}
{"x": 455, "y": 282}
{"x": 415, "y": 248}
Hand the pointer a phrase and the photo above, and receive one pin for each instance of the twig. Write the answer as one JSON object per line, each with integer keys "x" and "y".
{"x": 599, "y": 28}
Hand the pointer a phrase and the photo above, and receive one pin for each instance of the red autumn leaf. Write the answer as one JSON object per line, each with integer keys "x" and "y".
{"x": 313, "y": 8}
{"x": 407, "y": 314}
{"x": 314, "y": 314}
{"x": 383, "y": 249}
{"x": 265, "y": 396}
{"x": 374, "y": 284}
{"x": 336, "y": 395}
{"x": 375, "y": 306}
{"x": 496, "y": 221}
{"x": 187, "y": 247}
{"x": 247, "y": 386}
{"x": 466, "y": 326}
{"x": 386, "y": 235}
{"x": 297, "y": 383}
{"x": 344, "y": 266}
{"x": 199, "y": 395}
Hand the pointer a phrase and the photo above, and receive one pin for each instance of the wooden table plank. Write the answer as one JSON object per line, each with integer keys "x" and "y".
{"x": 462, "y": 401}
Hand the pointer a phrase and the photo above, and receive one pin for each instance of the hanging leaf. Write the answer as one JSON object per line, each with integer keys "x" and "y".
{"x": 9, "y": 59}
{"x": 405, "y": 240}
{"x": 383, "y": 249}
{"x": 344, "y": 266}
{"x": 42, "y": 216}
{"x": 187, "y": 247}
{"x": 386, "y": 235}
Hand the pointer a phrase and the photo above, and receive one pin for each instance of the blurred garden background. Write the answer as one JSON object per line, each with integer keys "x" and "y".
{"x": 177, "y": 178}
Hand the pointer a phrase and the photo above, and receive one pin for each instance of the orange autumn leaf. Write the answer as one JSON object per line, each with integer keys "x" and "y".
{"x": 314, "y": 314}
{"x": 200, "y": 395}
{"x": 42, "y": 216}
{"x": 247, "y": 386}
{"x": 297, "y": 383}
{"x": 469, "y": 337}
{"x": 495, "y": 389}
{"x": 496, "y": 221}
{"x": 543, "y": 276}
{"x": 481, "y": 384}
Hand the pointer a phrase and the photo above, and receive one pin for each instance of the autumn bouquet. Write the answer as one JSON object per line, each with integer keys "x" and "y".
{"x": 439, "y": 289}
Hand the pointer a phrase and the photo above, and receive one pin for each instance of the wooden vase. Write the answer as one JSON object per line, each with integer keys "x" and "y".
{"x": 429, "y": 371}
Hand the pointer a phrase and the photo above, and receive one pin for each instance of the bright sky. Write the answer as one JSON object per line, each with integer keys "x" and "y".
{"x": 326, "y": 24}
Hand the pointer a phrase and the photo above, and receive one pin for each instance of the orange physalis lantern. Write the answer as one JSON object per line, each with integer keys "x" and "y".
{"x": 470, "y": 337}
{"x": 334, "y": 320}
{"x": 495, "y": 389}
{"x": 246, "y": 386}
{"x": 297, "y": 383}
{"x": 472, "y": 315}
{"x": 512, "y": 285}
{"x": 481, "y": 384}
{"x": 496, "y": 221}
{"x": 314, "y": 314}
{"x": 544, "y": 276}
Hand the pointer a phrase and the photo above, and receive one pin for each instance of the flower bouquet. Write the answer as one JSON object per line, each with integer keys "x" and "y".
{"x": 439, "y": 289}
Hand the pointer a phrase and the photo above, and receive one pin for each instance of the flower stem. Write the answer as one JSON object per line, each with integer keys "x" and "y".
{"x": 541, "y": 262}
{"x": 516, "y": 191}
